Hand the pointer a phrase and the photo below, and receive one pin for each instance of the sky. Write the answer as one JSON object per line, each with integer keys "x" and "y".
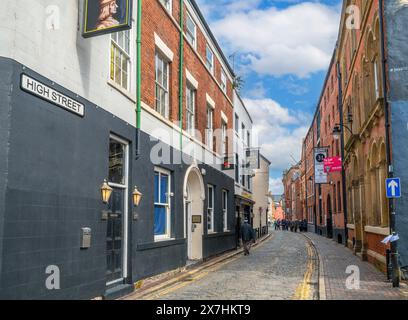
{"x": 281, "y": 49}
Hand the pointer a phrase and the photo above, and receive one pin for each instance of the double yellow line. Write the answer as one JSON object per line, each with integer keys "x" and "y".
{"x": 303, "y": 291}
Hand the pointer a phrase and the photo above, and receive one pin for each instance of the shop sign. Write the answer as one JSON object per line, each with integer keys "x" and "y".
{"x": 106, "y": 16}
{"x": 333, "y": 164}
{"x": 196, "y": 219}
{"x": 320, "y": 174}
{"x": 49, "y": 94}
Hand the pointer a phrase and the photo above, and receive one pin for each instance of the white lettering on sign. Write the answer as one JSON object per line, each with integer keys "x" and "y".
{"x": 41, "y": 90}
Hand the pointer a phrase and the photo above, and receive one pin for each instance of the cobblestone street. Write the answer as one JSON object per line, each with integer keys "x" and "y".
{"x": 282, "y": 268}
{"x": 273, "y": 271}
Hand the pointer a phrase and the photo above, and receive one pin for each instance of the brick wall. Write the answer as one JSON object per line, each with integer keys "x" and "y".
{"x": 157, "y": 20}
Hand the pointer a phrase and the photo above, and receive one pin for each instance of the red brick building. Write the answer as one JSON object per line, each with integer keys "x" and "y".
{"x": 329, "y": 203}
{"x": 206, "y": 76}
{"x": 292, "y": 196}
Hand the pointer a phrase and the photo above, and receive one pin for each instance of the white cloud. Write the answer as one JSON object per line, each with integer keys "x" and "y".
{"x": 297, "y": 40}
{"x": 275, "y": 186}
{"x": 279, "y": 131}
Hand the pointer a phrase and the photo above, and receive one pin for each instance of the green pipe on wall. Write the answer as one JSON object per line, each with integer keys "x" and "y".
{"x": 181, "y": 66}
{"x": 139, "y": 65}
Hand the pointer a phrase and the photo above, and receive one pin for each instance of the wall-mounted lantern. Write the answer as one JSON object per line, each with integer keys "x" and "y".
{"x": 106, "y": 192}
{"x": 137, "y": 196}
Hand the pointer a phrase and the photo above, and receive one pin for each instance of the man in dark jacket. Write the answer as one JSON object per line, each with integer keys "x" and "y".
{"x": 247, "y": 235}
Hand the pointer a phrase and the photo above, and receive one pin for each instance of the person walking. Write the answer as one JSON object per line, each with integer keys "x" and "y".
{"x": 247, "y": 236}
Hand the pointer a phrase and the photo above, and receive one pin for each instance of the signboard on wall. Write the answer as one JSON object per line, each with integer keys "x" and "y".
{"x": 106, "y": 16}
{"x": 49, "y": 94}
{"x": 319, "y": 155}
{"x": 333, "y": 164}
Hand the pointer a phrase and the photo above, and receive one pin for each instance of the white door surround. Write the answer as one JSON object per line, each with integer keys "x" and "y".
{"x": 194, "y": 196}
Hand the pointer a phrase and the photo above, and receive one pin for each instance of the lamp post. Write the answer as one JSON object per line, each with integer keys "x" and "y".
{"x": 338, "y": 134}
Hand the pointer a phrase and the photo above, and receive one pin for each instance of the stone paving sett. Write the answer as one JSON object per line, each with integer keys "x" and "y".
{"x": 271, "y": 272}
{"x": 336, "y": 258}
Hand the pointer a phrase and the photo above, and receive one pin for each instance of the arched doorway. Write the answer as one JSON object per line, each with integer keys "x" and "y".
{"x": 329, "y": 217}
{"x": 194, "y": 196}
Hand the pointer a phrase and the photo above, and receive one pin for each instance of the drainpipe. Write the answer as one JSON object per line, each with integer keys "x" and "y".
{"x": 139, "y": 76}
{"x": 181, "y": 66}
{"x": 390, "y": 169}
{"x": 343, "y": 171}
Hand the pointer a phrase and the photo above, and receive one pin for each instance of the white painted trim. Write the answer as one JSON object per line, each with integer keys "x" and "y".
{"x": 377, "y": 256}
{"x": 377, "y": 230}
{"x": 224, "y": 117}
{"x": 191, "y": 79}
{"x": 351, "y": 226}
{"x": 164, "y": 49}
{"x": 210, "y": 101}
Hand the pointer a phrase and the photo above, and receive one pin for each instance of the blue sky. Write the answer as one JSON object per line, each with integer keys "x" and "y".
{"x": 282, "y": 49}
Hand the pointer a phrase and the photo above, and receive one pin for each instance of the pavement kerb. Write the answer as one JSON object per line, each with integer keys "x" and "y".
{"x": 320, "y": 270}
{"x": 188, "y": 271}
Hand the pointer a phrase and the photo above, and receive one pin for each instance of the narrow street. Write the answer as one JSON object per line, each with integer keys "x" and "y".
{"x": 274, "y": 270}
{"x": 287, "y": 266}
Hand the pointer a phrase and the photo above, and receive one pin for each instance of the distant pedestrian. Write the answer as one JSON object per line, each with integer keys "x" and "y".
{"x": 247, "y": 235}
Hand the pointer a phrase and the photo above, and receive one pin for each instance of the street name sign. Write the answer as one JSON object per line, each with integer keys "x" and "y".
{"x": 393, "y": 187}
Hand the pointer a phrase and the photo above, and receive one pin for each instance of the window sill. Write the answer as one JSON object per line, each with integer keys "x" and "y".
{"x": 160, "y": 244}
{"x": 125, "y": 92}
{"x": 162, "y": 239}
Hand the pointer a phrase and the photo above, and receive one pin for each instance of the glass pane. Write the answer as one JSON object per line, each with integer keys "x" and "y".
{"x": 163, "y": 103}
{"x": 120, "y": 39}
{"x": 159, "y": 71}
{"x": 164, "y": 185}
{"x": 159, "y": 220}
{"x": 125, "y": 80}
{"x": 209, "y": 219}
{"x": 210, "y": 197}
{"x": 165, "y": 75}
{"x": 127, "y": 42}
{"x": 116, "y": 162}
{"x": 156, "y": 187}
{"x": 112, "y": 63}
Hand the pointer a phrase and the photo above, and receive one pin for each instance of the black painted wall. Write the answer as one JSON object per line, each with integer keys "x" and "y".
{"x": 57, "y": 163}
{"x": 6, "y": 72}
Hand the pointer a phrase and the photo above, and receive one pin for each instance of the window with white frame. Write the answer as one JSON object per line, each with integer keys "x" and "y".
{"x": 209, "y": 59}
{"x": 120, "y": 59}
{"x": 223, "y": 81}
{"x": 210, "y": 125}
{"x": 236, "y": 123}
{"x": 223, "y": 139}
{"x": 210, "y": 209}
{"x": 162, "y": 85}
{"x": 243, "y": 132}
{"x": 191, "y": 102}
{"x": 376, "y": 81}
{"x": 162, "y": 210}
{"x": 167, "y": 4}
{"x": 191, "y": 30}
{"x": 225, "y": 209}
